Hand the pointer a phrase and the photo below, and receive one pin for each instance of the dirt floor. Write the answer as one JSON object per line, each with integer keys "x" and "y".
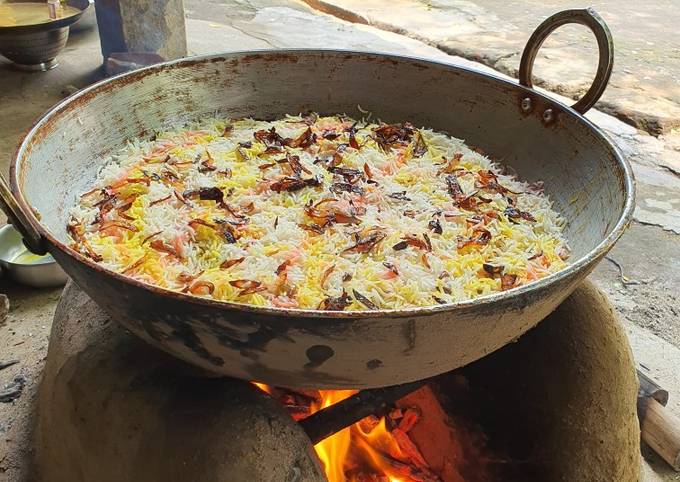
{"x": 643, "y": 296}
{"x": 641, "y": 274}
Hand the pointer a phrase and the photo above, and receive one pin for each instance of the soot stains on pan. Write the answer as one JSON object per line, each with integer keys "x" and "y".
{"x": 318, "y": 354}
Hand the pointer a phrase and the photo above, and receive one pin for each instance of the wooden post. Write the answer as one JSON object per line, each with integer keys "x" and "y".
{"x": 658, "y": 427}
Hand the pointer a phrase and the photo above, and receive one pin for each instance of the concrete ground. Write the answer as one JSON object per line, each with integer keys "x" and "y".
{"x": 644, "y": 89}
{"x": 641, "y": 274}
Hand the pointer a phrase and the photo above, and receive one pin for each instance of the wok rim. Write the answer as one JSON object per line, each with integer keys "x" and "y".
{"x": 484, "y": 301}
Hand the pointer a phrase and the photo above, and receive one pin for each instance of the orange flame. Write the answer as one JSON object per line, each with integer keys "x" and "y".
{"x": 263, "y": 387}
{"x": 365, "y": 451}
{"x": 359, "y": 449}
{"x": 332, "y": 451}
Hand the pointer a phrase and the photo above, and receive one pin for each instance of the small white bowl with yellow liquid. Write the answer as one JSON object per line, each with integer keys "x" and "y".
{"x": 24, "y": 267}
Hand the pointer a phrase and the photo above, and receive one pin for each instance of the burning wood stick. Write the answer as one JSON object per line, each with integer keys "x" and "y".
{"x": 330, "y": 420}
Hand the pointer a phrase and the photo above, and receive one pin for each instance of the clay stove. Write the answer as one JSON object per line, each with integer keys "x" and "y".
{"x": 526, "y": 412}
{"x": 559, "y": 404}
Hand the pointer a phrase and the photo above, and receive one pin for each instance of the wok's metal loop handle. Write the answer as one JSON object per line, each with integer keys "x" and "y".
{"x": 594, "y": 22}
{"x": 32, "y": 238}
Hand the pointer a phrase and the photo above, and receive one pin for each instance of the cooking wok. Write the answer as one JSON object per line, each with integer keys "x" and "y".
{"x": 586, "y": 176}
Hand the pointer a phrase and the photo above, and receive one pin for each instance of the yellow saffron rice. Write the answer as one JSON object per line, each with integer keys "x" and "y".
{"x": 317, "y": 213}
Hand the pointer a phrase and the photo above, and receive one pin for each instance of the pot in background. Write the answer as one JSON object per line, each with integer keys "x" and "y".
{"x": 35, "y": 47}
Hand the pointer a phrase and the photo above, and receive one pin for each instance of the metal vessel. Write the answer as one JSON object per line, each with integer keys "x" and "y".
{"x": 586, "y": 176}
{"x": 35, "y": 47}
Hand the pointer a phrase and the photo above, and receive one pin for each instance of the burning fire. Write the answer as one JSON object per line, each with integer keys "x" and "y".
{"x": 372, "y": 450}
{"x": 333, "y": 451}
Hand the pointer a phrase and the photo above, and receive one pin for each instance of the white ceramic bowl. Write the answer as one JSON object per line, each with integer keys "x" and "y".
{"x": 40, "y": 273}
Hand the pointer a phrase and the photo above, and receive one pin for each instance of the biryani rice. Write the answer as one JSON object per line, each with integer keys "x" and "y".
{"x": 317, "y": 213}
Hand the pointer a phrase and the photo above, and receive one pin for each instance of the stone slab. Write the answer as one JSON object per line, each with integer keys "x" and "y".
{"x": 643, "y": 90}
{"x": 142, "y": 26}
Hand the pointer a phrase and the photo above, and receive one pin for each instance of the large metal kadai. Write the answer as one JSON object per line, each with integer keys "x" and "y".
{"x": 586, "y": 176}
